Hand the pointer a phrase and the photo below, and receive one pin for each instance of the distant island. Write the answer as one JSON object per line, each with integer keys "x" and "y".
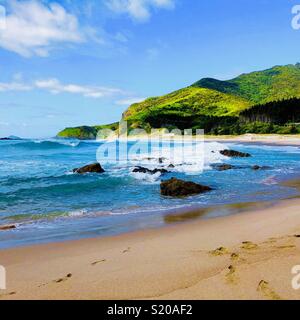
{"x": 261, "y": 102}
{"x": 10, "y": 138}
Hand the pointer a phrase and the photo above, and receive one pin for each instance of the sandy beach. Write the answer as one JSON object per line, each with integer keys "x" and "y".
{"x": 266, "y": 139}
{"x": 149, "y": 150}
{"x": 243, "y": 256}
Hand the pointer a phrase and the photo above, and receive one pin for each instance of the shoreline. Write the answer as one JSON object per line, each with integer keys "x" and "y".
{"x": 179, "y": 261}
{"x": 267, "y": 139}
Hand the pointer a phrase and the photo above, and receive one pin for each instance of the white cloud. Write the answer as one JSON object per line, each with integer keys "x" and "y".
{"x": 138, "y": 9}
{"x": 14, "y": 86}
{"x": 33, "y": 28}
{"x": 55, "y": 86}
{"x": 129, "y": 101}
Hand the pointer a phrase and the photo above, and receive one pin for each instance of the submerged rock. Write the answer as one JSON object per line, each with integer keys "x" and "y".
{"x": 171, "y": 166}
{"x": 161, "y": 160}
{"x": 256, "y": 167}
{"x": 149, "y": 171}
{"x": 7, "y": 227}
{"x": 235, "y": 154}
{"x": 180, "y": 188}
{"x": 224, "y": 167}
{"x": 95, "y": 168}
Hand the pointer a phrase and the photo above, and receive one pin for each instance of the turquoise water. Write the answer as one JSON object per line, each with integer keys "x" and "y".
{"x": 39, "y": 192}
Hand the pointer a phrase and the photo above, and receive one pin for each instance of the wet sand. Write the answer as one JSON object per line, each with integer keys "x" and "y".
{"x": 247, "y": 255}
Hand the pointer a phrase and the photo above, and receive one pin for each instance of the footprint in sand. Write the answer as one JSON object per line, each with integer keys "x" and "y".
{"x": 7, "y": 294}
{"x": 219, "y": 251}
{"x": 96, "y": 262}
{"x": 288, "y": 243}
{"x": 234, "y": 256}
{"x": 287, "y": 246}
{"x": 267, "y": 291}
{"x": 231, "y": 275}
{"x": 270, "y": 241}
{"x": 68, "y": 276}
{"x": 248, "y": 245}
{"x": 273, "y": 239}
{"x": 126, "y": 250}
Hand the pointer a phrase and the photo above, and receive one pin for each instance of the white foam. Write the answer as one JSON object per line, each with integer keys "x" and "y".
{"x": 270, "y": 181}
{"x": 61, "y": 142}
{"x": 189, "y": 159}
{"x": 147, "y": 177}
{"x": 77, "y": 213}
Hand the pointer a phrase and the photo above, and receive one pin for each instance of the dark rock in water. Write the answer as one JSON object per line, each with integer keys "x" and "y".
{"x": 235, "y": 154}
{"x": 7, "y": 227}
{"x": 160, "y": 160}
{"x": 146, "y": 170}
{"x": 94, "y": 168}
{"x": 224, "y": 167}
{"x": 141, "y": 170}
{"x": 256, "y": 167}
{"x": 180, "y": 188}
{"x": 171, "y": 166}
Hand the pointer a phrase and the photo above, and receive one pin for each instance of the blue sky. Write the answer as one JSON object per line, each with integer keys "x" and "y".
{"x": 69, "y": 63}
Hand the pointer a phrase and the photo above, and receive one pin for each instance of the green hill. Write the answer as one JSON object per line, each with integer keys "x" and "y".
{"x": 85, "y": 132}
{"x": 183, "y": 104}
{"x": 277, "y": 83}
{"x": 209, "y": 103}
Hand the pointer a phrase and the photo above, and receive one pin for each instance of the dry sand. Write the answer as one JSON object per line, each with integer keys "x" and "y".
{"x": 244, "y": 256}
{"x": 272, "y": 139}
{"x": 266, "y": 139}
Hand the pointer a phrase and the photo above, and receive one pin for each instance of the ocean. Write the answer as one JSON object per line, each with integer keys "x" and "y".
{"x": 47, "y": 202}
